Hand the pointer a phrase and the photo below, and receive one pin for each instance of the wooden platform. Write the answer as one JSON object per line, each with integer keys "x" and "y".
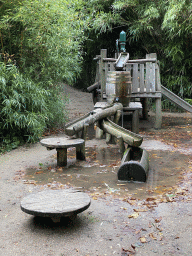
{"x": 56, "y": 203}
{"x": 61, "y": 144}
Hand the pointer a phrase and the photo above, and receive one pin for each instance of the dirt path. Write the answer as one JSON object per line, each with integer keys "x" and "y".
{"x": 117, "y": 222}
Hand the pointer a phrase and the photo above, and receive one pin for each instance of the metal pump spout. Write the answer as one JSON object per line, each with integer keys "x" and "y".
{"x": 124, "y": 56}
{"x": 122, "y": 41}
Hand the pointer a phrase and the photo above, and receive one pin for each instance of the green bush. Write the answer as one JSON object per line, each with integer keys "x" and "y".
{"x": 43, "y": 39}
{"x": 26, "y": 108}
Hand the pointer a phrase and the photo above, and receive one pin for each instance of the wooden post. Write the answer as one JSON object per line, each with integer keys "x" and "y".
{"x": 84, "y": 131}
{"x": 144, "y": 102}
{"x": 80, "y": 152}
{"x": 117, "y": 116}
{"x": 121, "y": 145}
{"x": 158, "y": 120}
{"x": 108, "y": 138}
{"x": 97, "y": 76}
{"x": 102, "y": 71}
{"x": 158, "y": 117}
{"x": 135, "y": 121}
{"x": 98, "y": 133}
{"x": 61, "y": 156}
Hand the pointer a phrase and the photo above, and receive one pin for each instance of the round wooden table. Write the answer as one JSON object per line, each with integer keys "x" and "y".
{"x": 61, "y": 144}
{"x": 56, "y": 203}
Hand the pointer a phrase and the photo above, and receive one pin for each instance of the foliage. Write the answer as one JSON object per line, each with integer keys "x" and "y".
{"x": 157, "y": 26}
{"x": 43, "y": 40}
{"x": 24, "y": 107}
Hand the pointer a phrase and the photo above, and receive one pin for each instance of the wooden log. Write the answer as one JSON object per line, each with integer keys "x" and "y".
{"x": 134, "y": 165}
{"x": 128, "y": 137}
{"x": 94, "y": 87}
{"x": 144, "y": 103}
{"x": 98, "y": 133}
{"x": 80, "y": 152}
{"x": 84, "y": 131}
{"x": 91, "y": 118}
{"x": 61, "y": 156}
{"x": 117, "y": 116}
{"x": 135, "y": 121}
{"x": 121, "y": 145}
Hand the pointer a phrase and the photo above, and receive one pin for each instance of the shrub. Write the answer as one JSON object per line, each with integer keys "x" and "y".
{"x": 26, "y": 108}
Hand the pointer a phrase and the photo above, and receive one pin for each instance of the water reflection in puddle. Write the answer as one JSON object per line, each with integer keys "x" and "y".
{"x": 98, "y": 174}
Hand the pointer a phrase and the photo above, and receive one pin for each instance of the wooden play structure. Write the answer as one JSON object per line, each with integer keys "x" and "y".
{"x": 145, "y": 84}
{"x": 145, "y": 81}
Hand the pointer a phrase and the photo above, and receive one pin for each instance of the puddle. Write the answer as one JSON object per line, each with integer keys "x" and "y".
{"x": 98, "y": 174}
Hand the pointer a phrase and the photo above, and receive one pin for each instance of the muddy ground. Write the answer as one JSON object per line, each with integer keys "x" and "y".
{"x": 152, "y": 218}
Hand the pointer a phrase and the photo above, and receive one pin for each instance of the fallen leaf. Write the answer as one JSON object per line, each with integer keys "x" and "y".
{"x": 158, "y": 219}
{"x": 140, "y": 210}
{"x": 39, "y": 172}
{"x": 150, "y": 199}
{"x": 143, "y": 240}
{"x": 152, "y": 236}
{"x": 126, "y": 252}
{"x": 134, "y": 215}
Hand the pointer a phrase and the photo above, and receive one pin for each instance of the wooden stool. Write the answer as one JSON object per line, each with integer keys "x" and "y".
{"x": 133, "y": 107}
{"x": 56, "y": 203}
{"x": 61, "y": 145}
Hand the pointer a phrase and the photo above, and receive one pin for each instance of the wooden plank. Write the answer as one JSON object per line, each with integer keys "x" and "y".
{"x": 157, "y": 77}
{"x": 152, "y": 77}
{"x": 142, "y": 78}
{"x": 102, "y": 71}
{"x": 146, "y": 95}
{"x": 130, "y": 61}
{"x": 112, "y": 66}
{"x": 106, "y": 73}
{"x": 135, "y": 81}
{"x": 147, "y": 78}
{"x": 129, "y": 67}
{"x": 97, "y": 76}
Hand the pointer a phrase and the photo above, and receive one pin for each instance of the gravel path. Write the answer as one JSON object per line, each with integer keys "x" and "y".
{"x": 79, "y": 103}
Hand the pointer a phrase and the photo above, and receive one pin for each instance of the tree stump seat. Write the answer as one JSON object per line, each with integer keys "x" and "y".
{"x": 61, "y": 144}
